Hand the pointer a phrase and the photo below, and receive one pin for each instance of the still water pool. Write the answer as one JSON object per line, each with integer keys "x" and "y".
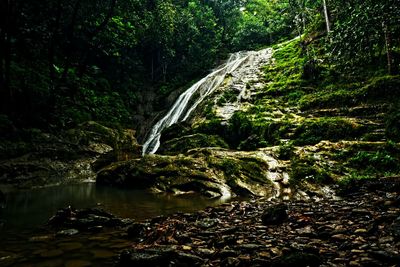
{"x": 29, "y": 209}
{"x": 25, "y": 241}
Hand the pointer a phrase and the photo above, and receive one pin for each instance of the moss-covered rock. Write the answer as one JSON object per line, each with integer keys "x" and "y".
{"x": 34, "y": 158}
{"x": 212, "y": 172}
{"x": 187, "y": 142}
{"x": 122, "y": 141}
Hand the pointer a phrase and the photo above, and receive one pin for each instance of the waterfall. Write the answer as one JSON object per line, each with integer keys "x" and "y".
{"x": 181, "y": 111}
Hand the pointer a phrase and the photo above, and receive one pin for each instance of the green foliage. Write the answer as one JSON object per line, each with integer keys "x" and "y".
{"x": 392, "y": 123}
{"x": 230, "y": 167}
{"x": 229, "y": 96}
{"x": 286, "y": 151}
{"x": 306, "y": 170}
{"x": 185, "y": 143}
{"x": 6, "y": 125}
{"x": 375, "y": 161}
{"x": 333, "y": 129}
{"x": 363, "y": 29}
{"x": 350, "y": 94}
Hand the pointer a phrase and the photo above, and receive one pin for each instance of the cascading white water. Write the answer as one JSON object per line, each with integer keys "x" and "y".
{"x": 202, "y": 88}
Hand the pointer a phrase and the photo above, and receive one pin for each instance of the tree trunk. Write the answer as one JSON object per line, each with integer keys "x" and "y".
{"x": 326, "y": 14}
{"x": 52, "y": 43}
{"x": 391, "y": 64}
{"x": 70, "y": 38}
{"x": 3, "y": 15}
{"x": 5, "y": 69}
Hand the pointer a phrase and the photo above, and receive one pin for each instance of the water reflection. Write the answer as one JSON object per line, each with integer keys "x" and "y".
{"x": 28, "y": 209}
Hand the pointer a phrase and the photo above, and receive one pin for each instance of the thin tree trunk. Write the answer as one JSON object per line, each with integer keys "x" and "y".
{"x": 52, "y": 42}
{"x": 70, "y": 35}
{"x": 6, "y": 94}
{"x": 326, "y": 13}
{"x": 389, "y": 52}
{"x": 3, "y": 15}
{"x": 152, "y": 67}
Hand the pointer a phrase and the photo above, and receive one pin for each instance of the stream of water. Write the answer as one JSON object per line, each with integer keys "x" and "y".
{"x": 187, "y": 103}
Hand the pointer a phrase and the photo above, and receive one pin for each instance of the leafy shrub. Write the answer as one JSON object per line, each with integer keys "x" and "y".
{"x": 386, "y": 87}
{"x": 375, "y": 161}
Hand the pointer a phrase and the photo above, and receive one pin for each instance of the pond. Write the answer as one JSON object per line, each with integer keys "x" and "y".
{"x": 23, "y": 240}
{"x": 32, "y": 208}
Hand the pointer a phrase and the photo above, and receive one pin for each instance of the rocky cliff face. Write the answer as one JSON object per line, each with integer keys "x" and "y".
{"x": 278, "y": 104}
{"x": 34, "y": 158}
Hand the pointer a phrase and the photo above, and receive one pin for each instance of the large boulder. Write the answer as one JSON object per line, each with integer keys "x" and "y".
{"x": 211, "y": 172}
{"x": 86, "y": 219}
{"x": 122, "y": 141}
{"x": 35, "y": 158}
{"x": 276, "y": 214}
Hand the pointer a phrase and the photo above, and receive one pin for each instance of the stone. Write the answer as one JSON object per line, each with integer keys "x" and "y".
{"x": 386, "y": 256}
{"x": 230, "y": 261}
{"x": 49, "y": 263}
{"x": 93, "y": 219}
{"x": 77, "y": 263}
{"x": 157, "y": 257}
{"x": 102, "y": 254}
{"x": 276, "y": 214}
{"x": 300, "y": 259}
{"x": 354, "y": 263}
{"x": 395, "y": 228}
{"x": 207, "y": 223}
{"x": 68, "y": 232}
{"x": 306, "y": 231}
{"x": 42, "y": 238}
{"x": 51, "y": 253}
{"x": 386, "y": 239}
{"x": 234, "y": 172}
{"x": 136, "y": 230}
{"x": 70, "y": 246}
{"x": 340, "y": 237}
{"x": 361, "y": 231}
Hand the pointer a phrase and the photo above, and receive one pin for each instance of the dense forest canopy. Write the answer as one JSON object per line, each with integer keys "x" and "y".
{"x": 64, "y": 62}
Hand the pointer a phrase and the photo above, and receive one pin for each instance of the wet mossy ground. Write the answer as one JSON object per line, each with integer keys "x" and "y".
{"x": 305, "y": 109}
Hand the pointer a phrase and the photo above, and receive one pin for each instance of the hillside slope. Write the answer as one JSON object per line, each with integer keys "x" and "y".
{"x": 321, "y": 128}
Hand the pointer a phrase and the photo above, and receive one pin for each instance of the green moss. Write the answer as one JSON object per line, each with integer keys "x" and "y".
{"x": 382, "y": 87}
{"x": 228, "y": 96}
{"x": 286, "y": 151}
{"x": 392, "y": 123}
{"x": 187, "y": 142}
{"x": 334, "y": 129}
{"x": 372, "y": 162}
{"x": 328, "y": 99}
{"x": 306, "y": 169}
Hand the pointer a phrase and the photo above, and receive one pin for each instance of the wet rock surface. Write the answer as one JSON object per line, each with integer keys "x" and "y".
{"x": 213, "y": 172}
{"x": 93, "y": 219}
{"x": 34, "y": 158}
{"x": 361, "y": 229}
